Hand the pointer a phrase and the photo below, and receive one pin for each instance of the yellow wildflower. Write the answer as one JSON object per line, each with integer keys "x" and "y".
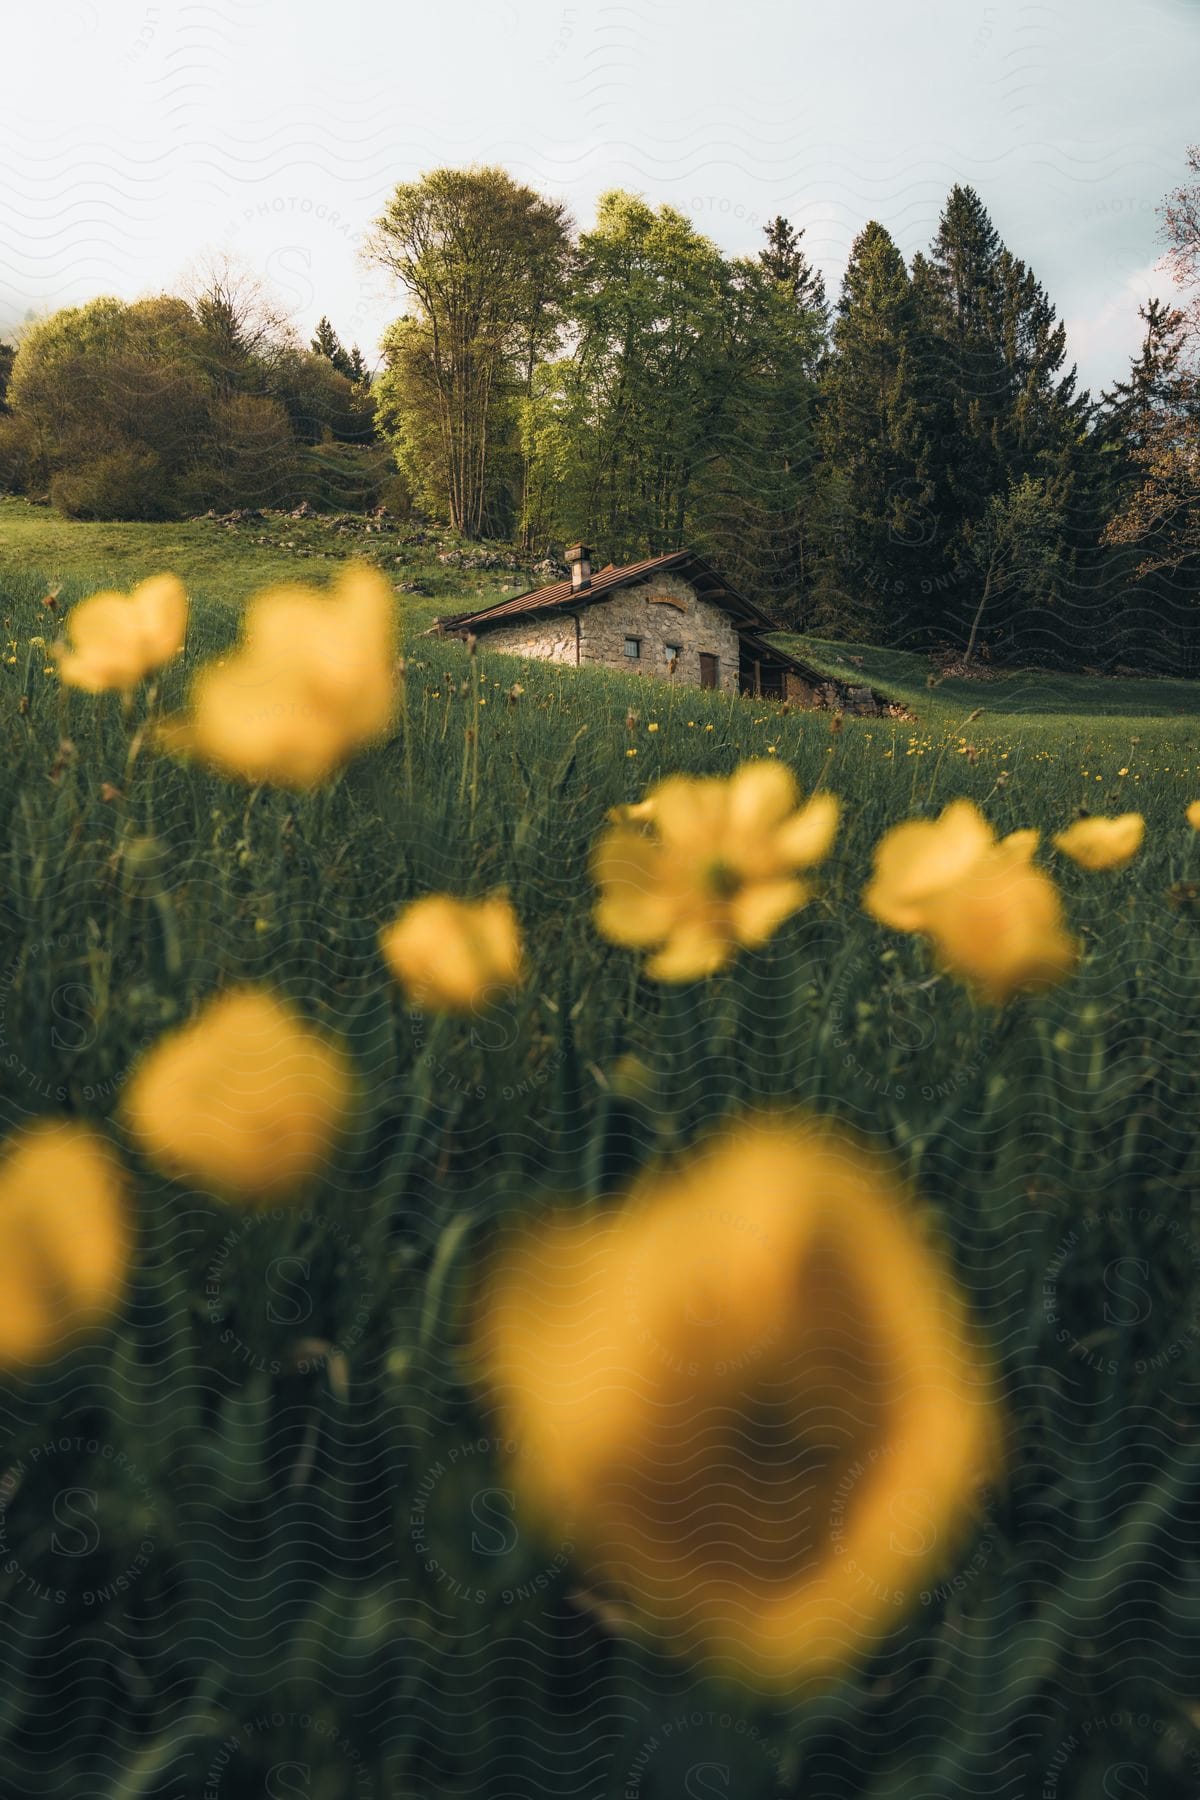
{"x": 916, "y": 859}
{"x": 449, "y": 954}
{"x": 313, "y": 681}
{"x": 995, "y": 921}
{"x": 1193, "y": 815}
{"x": 1000, "y": 928}
{"x": 1103, "y": 843}
{"x": 636, "y": 813}
{"x": 716, "y": 867}
{"x": 118, "y": 639}
{"x": 67, "y": 1237}
{"x": 245, "y": 1099}
{"x": 731, "y": 1389}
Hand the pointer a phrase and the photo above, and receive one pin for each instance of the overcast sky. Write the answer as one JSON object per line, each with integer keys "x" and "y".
{"x": 133, "y": 135}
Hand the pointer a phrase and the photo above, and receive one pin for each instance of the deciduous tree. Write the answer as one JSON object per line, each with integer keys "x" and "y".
{"x": 480, "y": 257}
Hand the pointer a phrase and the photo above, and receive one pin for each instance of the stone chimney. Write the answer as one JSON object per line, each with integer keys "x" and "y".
{"x": 580, "y": 558}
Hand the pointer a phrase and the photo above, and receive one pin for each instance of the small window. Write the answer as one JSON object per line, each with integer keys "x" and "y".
{"x": 673, "y": 652}
{"x": 710, "y": 670}
{"x": 633, "y": 647}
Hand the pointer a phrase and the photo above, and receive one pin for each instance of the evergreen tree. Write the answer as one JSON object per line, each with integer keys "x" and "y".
{"x": 960, "y": 387}
{"x": 785, "y": 262}
{"x": 993, "y": 403}
{"x": 1152, "y": 423}
{"x": 328, "y": 344}
{"x": 7, "y": 358}
{"x": 760, "y": 498}
{"x": 1130, "y": 405}
{"x": 882, "y": 522}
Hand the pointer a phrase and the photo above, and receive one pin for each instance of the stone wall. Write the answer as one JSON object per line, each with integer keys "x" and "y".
{"x": 548, "y": 636}
{"x": 661, "y": 611}
{"x": 827, "y": 695}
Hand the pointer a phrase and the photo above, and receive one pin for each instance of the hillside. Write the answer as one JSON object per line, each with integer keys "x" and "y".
{"x": 288, "y": 1496}
{"x": 1021, "y": 694}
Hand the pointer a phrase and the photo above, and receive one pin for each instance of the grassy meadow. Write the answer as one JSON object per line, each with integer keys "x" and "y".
{"x": 283, "y": 1565}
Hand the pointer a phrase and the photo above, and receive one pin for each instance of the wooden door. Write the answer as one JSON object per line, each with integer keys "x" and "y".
{"x": 709, "y": 666}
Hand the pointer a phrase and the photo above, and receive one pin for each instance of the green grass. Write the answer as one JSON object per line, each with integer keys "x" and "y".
{"x": 224, "y": 563}
{"x": 1023, "y": 694}
{"x": 288, "y": 1610}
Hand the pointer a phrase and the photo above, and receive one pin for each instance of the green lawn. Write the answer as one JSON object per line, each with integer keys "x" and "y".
{"x": 289, "y": 1567}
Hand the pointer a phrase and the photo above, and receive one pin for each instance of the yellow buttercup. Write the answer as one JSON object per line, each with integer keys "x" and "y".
{"x": 67, "y": 1237}
{"x": 736, "y": 1389}
{"x": 115, "y": 640}
{"x": 704, "y": 865}
{"x": 1099, "y": 843}
{"x": 313, "y": 681}
{"x": 246, "y": 1099}
{"x": 450, "y": 954}
{"x": 994, "y": 920}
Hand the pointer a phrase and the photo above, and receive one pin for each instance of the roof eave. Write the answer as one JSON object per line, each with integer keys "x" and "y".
{"x": 503, "y": 611}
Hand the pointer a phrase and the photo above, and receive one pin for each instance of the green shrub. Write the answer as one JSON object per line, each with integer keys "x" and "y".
{"x": 16, "y": 454}
{"x": 345, "y": 477}
{"x": 125, "y": 483}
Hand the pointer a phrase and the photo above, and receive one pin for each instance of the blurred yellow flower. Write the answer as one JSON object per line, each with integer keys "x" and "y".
{"x": 1193, "y": 815}
{"x": 995, "y": 921}
{"x": 1000, "y": 927}
{"x": 67, "y": 1237}
{"x": 915, "y": 860}
{"x": 449, "y": 954}
{"x": 246, "y": 1099}
{"x": 716, "y": 866}
{"x": 115, "y": 640}
{"x": 313, "y": 681}
{"x": 737, "y": 1390}
{"x": 636, "y": 813}
{"x": 1103, "y": 843}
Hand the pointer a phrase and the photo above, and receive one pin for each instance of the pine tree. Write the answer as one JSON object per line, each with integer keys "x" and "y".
{"x": 960, "y": 375}
{"x": 8, "y": 356}
{"x": 760, "y": 498}
{"x": 786, "y": 263}
{"x": 872, "y": 439}
{"x": 328, "y": 344}
{"x": 993, "y": 403}
{"x": 1153, "y": 376}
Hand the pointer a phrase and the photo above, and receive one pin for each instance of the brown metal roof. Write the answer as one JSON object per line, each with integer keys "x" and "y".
{"x": 707, "y": 582}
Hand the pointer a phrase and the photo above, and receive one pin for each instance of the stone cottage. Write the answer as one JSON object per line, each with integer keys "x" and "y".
{"x": 672, "y": 617}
